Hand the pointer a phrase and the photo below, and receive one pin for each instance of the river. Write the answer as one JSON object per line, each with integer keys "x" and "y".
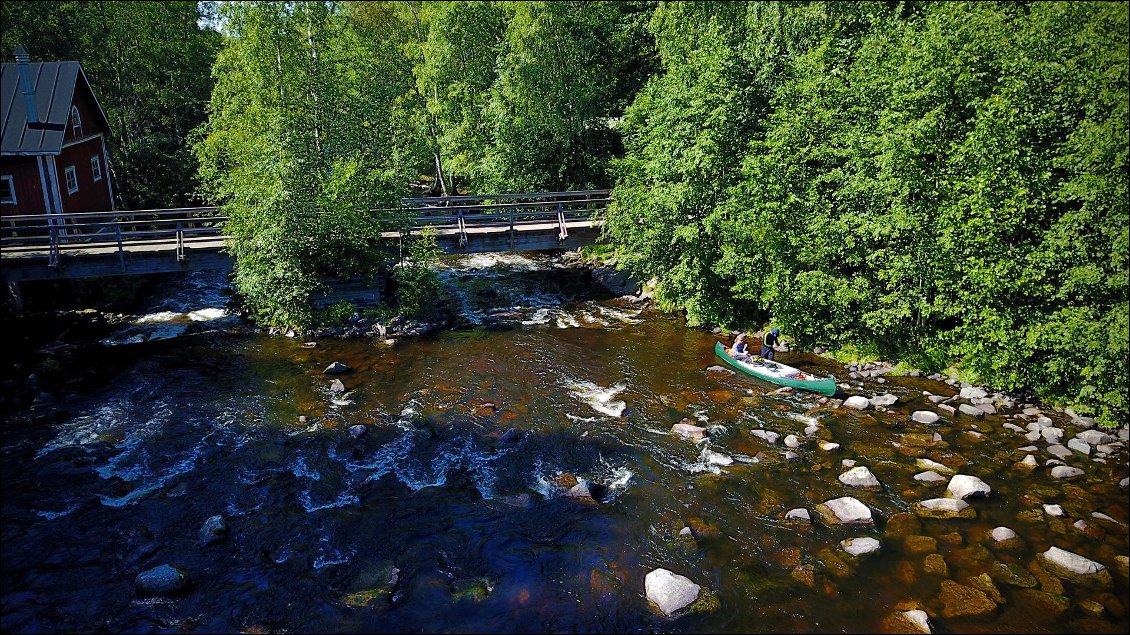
{"x": 194, "y": 417}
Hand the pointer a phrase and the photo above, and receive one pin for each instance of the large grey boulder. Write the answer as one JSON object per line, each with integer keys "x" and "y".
{"x": 1058, "y": 451}
{"x": 844, "y": 511}
{"x": 336, "y": 386}
{"x": 670, "y": 591}
{"x": 860, "y": 477}
{"x": 924, "y": 416}
{"x": 857, "y": 402}
{"x": 214, "y": 530}
{"x": 162, "y": 580}
{"x": 964, "y": 486}
{"x": 971, "y": 411}
{"x": 1079, "y": 446}
{"x": 336, "y": 368}
{"x": 1094, "y": 437}
{"x": 1075, "y": 568}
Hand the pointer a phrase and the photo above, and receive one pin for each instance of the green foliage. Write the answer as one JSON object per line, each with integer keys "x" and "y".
{"x": 149, "y": 65}
{"x": 303, "y": 141}
{"x": 337, "y": 313}
{"x": 939, "y": 182}
{"x": 417, "y": 282}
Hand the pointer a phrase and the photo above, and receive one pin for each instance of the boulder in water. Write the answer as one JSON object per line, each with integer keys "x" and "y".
{"x": 335, "y": 368}
{"x": 670, "y": 591}
{"x": 860, "y": 546}
{"x": 964, "y": 486}
{"x": 336, "y": 386}
{"x": 860, "y": 477}
{"x": 1075, "y": 568}
{"x": 924, "y": 416}
{"x": 358, "y": 431}
{"x": 1065, "y": 472}
{"x": 857, "y": 402}
{"x": 943, "y": 508}
{"x": 689, "y": 430}
{"x": 845, "y": 511}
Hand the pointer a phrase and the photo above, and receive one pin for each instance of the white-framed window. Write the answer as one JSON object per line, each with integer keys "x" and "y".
{"x": 76, "y": 122}
{"x": 96, "y": 167}
{"x": 7, "y": 189}
{"x": 72, "y": 179}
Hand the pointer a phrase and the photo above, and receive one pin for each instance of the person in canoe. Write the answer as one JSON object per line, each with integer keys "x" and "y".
{"x": 769, "y": 343}
{"x": 740, "y": 351}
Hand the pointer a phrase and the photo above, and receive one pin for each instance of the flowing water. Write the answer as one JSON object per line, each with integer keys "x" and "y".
{"x": 195, "y": 418}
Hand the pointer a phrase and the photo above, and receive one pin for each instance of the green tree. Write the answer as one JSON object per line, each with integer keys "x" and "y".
{"x": 300, "y": 146}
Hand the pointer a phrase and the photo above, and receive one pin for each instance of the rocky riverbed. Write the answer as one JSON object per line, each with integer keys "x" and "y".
{"x": 575, "y": 464}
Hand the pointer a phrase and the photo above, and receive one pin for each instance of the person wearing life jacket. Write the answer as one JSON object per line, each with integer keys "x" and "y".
{"x": 769, "y": 343}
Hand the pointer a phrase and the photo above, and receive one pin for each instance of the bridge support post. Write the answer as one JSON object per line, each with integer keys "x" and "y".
{"x": 17, "y": 295}
{"x": 121, "y": 250}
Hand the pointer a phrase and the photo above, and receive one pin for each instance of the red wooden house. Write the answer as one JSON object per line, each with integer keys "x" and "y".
{"x": 53, "y": 152}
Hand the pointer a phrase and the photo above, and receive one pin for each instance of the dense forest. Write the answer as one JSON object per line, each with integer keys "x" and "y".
{"x": 943, "y": 183}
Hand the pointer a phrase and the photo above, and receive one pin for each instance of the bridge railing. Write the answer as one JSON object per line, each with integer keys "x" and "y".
{"x": 109, "y": 231}
{"x": 114, "y": 231}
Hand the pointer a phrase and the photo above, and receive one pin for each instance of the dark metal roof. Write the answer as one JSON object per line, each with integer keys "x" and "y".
{"x": 54, "y": 85}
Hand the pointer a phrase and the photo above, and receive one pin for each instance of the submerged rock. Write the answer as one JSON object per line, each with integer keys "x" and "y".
{"x": 162, "y": 580}
{"x": 959, "y": 600}
{"x": 768, "y": 435}
{"x": 927, "y": 464}
{"x": 1075, "y": 568}
{"x": 913, "y": 621}
{"x": 929, "y": 477}
{"x": 860, "y": 546}
{"x": 214, "y": 530}
{"x": 670, "y": 591}
{"x": 884, "y": 400}
{"x": 944, "y": 508}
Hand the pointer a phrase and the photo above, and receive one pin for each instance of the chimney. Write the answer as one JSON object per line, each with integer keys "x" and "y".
{"x": 25, "y": 78}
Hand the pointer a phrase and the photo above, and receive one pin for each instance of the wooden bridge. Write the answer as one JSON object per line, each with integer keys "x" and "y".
{"x": 93, "y": 244}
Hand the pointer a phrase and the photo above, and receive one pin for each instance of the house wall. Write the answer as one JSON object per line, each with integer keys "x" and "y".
{"x": 26, "y": 182}
{"x": 92, "y": 196}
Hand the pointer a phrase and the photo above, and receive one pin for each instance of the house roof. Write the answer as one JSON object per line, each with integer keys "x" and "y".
{"x": 54, "y": 85}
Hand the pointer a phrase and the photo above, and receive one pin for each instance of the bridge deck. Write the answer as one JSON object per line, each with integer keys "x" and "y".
{"x": 122, "y": 242}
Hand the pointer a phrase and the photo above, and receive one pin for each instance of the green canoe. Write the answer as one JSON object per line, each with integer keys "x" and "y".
{"x": 778, "y": 373}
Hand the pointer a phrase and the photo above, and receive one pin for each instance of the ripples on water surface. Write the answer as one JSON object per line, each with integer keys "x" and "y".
{"x": 478, "y": 523}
